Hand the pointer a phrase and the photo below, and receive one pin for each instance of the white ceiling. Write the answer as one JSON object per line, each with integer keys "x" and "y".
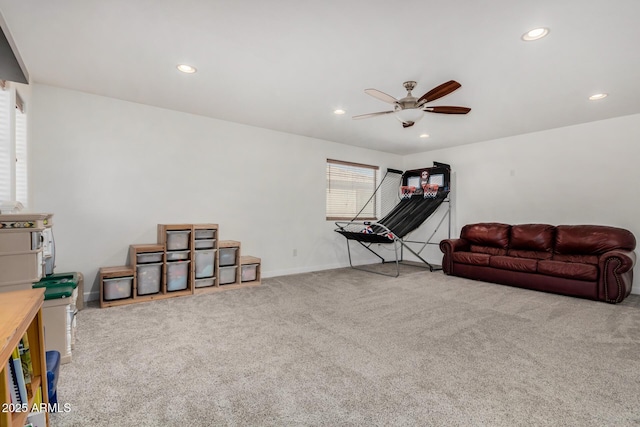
{"x": 287, "y": 64}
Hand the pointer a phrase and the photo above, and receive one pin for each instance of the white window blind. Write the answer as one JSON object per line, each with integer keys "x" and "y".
{"x": 349, "y": 188}
{"x": 21, "y": 154}
{"x": 6, "y": 181}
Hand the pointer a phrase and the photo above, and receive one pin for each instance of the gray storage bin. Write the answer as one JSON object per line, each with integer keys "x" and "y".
{"x": 205, "y": 261}
{"x": 205, "y": 243}
{"x": 178, "y": 240}
{"x": 203, "y": 283}
{"x": 249, "y": 272}
{"x": 228, "y": 256}
{"x": 177, "y": 275}
{"x": 149, "y": 257}
{"x": 228, "y": 274}
{"x": 117, "y": 288}
{"x": 205, "y": 234}
{"x": 148, "y": 278}
{"x": 177, "y": 255}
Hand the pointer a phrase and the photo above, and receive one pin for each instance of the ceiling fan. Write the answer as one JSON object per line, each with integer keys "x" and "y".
{"x": 411, "y": 109}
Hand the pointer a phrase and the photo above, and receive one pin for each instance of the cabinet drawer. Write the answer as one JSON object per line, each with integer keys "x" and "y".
{"x": 149, "y": 257}
{"x": 117, "y": 288}
{"x": 228, "y": 256}
{"x": 178, "y": 240}
{"x": 249, "y": 272}
{"x": 205, "y": 234}
{"x": 228, "y": 274}
{"x": 177, "y": 275}
{"x": 205, "y": 261}
{"x": 148, "y": 278}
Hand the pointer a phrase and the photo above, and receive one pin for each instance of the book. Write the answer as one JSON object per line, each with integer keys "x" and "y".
{"x": 13, "y": 384}
{"x": 38, "y": 399}
{"x": 17, "y": 367}
{"x": 25, "y": 358}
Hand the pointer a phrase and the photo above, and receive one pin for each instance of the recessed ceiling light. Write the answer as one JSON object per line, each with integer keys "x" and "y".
{"x": 186, "y": 68}
{"x": 424, "y": 135}
{"x": 598, "y": 96}
{"x": 535, "y": 34}
{"x": 339, "y": 111}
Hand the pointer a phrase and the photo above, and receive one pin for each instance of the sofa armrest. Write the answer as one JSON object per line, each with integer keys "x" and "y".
{"x": 616, "y": 275}
{"x": 448, "y": 247}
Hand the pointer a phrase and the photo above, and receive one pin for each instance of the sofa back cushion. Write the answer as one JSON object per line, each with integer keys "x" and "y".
{"x": 487, "y": 237}
{"x": 592, "y": 239}
{"x": 532, "y": 241}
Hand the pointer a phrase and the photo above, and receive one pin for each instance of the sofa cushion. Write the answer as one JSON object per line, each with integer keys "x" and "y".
{"x": 487, "y": 234}
{"x": 582, "y": 259}
{"x": 487, "y": 250}
{"x": 592, "y": 239}
{"x": 569, "y": 270}
{"x": 518, "y": 253}
{"x": 532, "y": 237}
{"x": 514, "y": 264}
{"x": 471, "y": 258}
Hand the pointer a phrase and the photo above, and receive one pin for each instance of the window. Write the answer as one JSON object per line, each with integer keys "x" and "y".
{"x": 350, "y": 187}
{"x": 6, "y": 173}
{"x": 21, "y": 152}
{"x": 13, "y": 146}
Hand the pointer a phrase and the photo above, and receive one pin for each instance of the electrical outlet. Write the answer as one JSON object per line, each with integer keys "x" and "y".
{"x": 295, "y": 252}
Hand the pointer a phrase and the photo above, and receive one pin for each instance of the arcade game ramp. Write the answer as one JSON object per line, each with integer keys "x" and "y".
{"x": 422, "y": 192}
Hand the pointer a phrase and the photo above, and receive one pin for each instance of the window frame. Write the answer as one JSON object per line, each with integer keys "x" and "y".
{"x": 16, "y": 142}
{"x": 372, "y": 197}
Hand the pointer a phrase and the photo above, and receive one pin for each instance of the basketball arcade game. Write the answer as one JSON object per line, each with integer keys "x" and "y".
{"x": 420, "y": 192}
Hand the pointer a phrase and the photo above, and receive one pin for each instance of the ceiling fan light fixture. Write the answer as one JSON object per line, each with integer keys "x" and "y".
{"x": 185, "y": 68}
{"x": 598, "y": 96}
{"x": 409, "y": 115}
{"x": 535, "y": 34}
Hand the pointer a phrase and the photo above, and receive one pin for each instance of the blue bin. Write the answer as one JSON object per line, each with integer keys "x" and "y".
{"x": 53, "y": 367}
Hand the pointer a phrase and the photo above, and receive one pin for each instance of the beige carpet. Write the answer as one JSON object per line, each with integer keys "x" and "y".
{"x": 344, "y": 347}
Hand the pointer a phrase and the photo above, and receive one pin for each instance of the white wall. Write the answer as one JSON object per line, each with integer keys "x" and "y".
{"x": 583, "y": 174}
{"x": 111, "y": 170}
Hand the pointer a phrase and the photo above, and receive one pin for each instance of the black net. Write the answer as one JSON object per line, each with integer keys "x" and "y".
{"x": 398, "y": 216}
{"x": 385, "y": 198}
{"x": 383, "y": 201}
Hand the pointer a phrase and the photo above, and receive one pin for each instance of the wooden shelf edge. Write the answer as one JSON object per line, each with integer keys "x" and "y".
{"x": 20, "y": 418}
{"x": 249, "y": 259}
{"x": 206, "y": 290}
{"x": 240, "y": 285}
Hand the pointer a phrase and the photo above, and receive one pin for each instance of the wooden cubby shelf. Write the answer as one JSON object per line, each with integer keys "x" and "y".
{"x": 250, "y": 270}
{"x": 116, "y": 285}
{"x": 229, "y": 263}
{"x": 20, "y": 314}
{"x": 185, "y": 261}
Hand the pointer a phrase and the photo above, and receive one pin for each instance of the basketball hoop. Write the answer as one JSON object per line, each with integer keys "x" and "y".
{"x": 430, "y": 191}
{"x": 406, "y": 191}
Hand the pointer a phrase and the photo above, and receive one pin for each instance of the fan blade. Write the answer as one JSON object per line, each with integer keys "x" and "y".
{"x": 439, "y": 91}
{"x": 447, "y": 110}
{"x": 381, "y": 96}
{"x": 407, "y": 124}
{"x": 366, "y": 116}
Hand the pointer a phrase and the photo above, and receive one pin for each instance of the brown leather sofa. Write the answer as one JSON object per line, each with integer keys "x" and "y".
{"x": 588, "y": 261}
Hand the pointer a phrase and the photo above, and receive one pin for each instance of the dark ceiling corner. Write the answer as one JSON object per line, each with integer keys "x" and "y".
{"x": 10, "y": 62}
